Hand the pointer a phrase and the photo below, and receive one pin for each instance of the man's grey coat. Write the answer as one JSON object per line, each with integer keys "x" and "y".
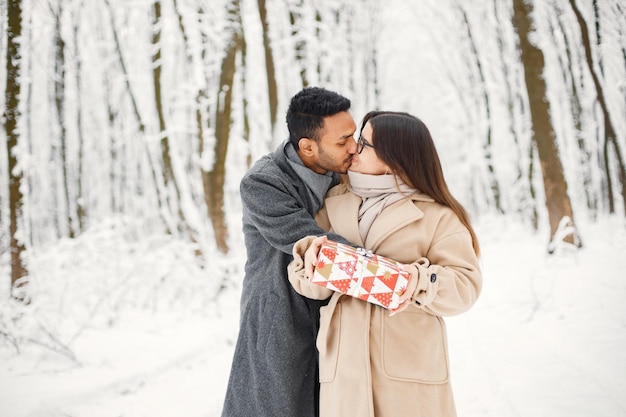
{"x": 274, "y": 371}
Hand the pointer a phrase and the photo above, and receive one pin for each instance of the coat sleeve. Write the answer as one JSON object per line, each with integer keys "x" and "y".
{"x": 272, "y": 205}
{"x": 449, "y": 278}
{"x": 297, "y": 277}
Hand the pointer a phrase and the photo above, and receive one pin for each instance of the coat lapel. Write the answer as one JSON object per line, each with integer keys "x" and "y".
{"x": 343, "y": 216}
{"x": 390, "y": 220}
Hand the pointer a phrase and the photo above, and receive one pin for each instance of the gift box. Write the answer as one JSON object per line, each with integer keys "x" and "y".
{"x": 360, "y": 273}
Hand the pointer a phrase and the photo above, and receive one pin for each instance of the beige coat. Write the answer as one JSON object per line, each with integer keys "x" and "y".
{"x": 372, "y": 364}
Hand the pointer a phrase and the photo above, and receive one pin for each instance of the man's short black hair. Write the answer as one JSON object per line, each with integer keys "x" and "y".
{"x": 305, "y": 116}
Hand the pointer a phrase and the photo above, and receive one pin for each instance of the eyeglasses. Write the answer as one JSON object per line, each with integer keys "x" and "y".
{"x": 361, "y": 144}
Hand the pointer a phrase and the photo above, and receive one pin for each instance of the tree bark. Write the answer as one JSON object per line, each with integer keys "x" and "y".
{"x": 492, "y": 178}
{"x": 12, "y": 116}
{"x": 168, "y": 172}
{"x": 610, "y": 136}
{"x": 135, "y": 107}
{"x": 169, "y": 178}
{"x": 59, "y": 102}
{"x": 511, "y": 97}
{"x": 561, "y": 217}
{"x": 272, "y": 89}
{"x": 214, "y": 180}
{"x": 300, "y": 44}
{"x": 246, "y": 118}
{"x": 576, "y": 108}
{"x": 80, "y": 199}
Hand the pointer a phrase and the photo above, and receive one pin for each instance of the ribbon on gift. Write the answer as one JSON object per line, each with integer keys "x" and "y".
{"x": 362, "y": 256}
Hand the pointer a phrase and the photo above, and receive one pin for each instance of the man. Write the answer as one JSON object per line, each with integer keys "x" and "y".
{"x": 274, "y": 370}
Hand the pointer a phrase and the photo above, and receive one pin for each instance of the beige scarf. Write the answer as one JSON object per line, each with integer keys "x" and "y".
{"x": 376, "y": 192}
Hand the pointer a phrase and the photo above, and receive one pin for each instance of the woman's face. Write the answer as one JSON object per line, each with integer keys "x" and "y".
{"x": 367, "y": 162}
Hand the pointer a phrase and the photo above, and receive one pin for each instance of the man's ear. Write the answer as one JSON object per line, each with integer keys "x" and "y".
{"x": 307, "y": 146}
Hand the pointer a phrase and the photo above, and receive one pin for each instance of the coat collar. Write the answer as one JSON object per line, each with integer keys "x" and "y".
{"x": 343, "y": 216}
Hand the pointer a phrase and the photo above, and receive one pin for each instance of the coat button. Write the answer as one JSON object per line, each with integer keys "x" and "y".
{"x": 433, "y": 277}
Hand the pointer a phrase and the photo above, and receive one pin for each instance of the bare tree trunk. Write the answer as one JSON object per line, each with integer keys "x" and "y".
{"x": 531, "y": 182}
{"x": 140, "y": 123}
{"x": 318, "y": 32}
{"x": 168, "y": 172}
{"x": 118, "y": 47}
{"x": 576, "y": 108}
{"x": 511, "y": 96}
{"x": 214, "y": 180}
{"x": 28, "y": 125}
{"x": 272, "y": 88}
{"x": 610, "y": 136}
{"x": 296, "y": 27}
{"x": 246, "y": 119}
{"x": 169, "y": 178}
{"x": 116, "y": 200}
{"x": 373, "y": 80}
{"x": 80, "y": 199}
{"x": 560, "y": 213}
{"x": 596, "y": 15}
{"x": 12, "y": 115}
{"x": 620, "y": 31}
{"x": 59, "y": 101}
{"x": 488, "y": 154}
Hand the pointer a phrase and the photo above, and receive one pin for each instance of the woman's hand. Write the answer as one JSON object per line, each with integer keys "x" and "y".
{"x": 405, "y": 297}
{"x": 310, "y": 256}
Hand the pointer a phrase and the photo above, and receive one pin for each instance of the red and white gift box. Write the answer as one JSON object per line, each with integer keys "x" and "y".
{"x": 361, "y": 274}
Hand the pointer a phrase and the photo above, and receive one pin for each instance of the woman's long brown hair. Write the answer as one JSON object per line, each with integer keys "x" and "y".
{"x": 404, "y": 143}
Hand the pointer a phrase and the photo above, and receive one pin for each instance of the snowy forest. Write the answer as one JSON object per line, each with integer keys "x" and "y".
{"x": 127, "y": 125}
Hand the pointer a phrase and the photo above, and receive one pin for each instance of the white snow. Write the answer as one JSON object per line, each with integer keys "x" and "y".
{"x": 546, "y": 337}
{"x": 125, "y": 323}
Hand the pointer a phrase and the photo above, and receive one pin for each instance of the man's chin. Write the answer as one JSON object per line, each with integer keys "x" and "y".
{"x": 343, "y": 169}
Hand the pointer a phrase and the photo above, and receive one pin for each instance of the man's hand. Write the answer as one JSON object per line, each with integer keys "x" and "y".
{"x": 311, "y": 254}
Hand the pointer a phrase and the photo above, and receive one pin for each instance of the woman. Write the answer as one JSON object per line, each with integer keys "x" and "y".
{"x": 373, "y": 363}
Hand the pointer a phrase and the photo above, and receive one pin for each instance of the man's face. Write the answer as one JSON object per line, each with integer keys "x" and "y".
{"x": 336, "y": 145}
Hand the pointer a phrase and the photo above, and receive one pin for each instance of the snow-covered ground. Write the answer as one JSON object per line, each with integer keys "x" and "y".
{"x": 546, "y": 338}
